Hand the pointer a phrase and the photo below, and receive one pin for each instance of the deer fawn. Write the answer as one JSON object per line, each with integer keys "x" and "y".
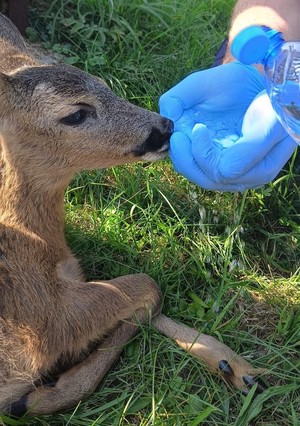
{"x": 54, "y": 121}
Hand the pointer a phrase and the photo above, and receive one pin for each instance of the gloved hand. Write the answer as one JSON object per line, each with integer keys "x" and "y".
{"x": 249, "y": 152}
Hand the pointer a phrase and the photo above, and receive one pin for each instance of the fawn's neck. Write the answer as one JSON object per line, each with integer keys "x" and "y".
{"x": 34, "y": 205}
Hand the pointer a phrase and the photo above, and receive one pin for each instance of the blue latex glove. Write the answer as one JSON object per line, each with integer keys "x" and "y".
{"x": 250, "y": 146}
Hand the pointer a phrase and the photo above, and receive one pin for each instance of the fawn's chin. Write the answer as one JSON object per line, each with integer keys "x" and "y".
{"x": 155, "y": 156}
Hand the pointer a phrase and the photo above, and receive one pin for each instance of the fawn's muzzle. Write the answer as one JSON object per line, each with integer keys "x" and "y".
{"x": 158, "y": 139}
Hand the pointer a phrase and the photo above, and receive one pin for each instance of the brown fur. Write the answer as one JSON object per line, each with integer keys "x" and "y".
{"x": 48, "y": 313}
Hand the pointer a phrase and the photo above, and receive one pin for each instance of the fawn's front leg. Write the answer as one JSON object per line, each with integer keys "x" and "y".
{"x": 79, "y": 382}
{"x": 121, "y": 304}
{"x": 219, "y": 358}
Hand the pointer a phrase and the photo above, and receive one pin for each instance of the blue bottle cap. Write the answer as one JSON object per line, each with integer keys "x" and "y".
{"x": 250, "y": 45}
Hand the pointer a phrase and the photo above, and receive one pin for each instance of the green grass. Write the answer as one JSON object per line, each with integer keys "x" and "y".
{"x": 227, "y": 264}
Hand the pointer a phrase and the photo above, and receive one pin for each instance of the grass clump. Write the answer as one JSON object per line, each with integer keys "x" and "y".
{"x": 227, "y": 264}
{"x": 139, "y": 47}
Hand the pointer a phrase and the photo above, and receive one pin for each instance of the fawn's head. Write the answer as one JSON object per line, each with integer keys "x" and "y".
{"x": 59, "y": 120}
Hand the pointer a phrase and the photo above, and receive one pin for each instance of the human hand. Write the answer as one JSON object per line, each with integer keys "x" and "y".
{"x": 218, "y": 97}
{"x": 254, "y": 159}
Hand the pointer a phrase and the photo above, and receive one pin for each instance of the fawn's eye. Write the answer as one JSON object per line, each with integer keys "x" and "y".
{"x": 77, "y": 117}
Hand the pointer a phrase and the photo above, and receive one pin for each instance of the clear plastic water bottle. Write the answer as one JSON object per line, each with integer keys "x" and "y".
{"x": 281, "y": 60}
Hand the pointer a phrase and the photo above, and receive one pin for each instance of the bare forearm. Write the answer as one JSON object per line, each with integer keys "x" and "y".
{"x": 283, "y": 15}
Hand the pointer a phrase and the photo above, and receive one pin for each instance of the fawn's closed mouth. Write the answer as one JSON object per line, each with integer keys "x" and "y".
{"x": 164, "y": 148}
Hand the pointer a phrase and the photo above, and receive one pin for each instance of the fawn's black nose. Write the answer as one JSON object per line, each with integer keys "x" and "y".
{"x": 167, "y": 124}
{"x": 158, "y": 139}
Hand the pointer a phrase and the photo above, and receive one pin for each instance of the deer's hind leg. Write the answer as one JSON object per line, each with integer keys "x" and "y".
{"x": 127, "y": 302}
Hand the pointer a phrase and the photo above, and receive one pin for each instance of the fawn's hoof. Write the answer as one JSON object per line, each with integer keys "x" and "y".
{"x": 242, "y": 379}
{"x": 250, "y": 381}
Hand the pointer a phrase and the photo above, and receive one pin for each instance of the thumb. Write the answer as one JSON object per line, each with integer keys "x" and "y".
{"x": 261, "y": 133}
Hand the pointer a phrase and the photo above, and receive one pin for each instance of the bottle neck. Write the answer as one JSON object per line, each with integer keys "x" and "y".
{"x": 276, "y": 41}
